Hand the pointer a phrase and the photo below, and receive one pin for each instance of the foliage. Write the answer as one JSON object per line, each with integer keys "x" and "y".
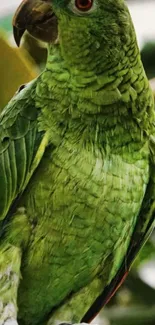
{"x": 148, "y": 58}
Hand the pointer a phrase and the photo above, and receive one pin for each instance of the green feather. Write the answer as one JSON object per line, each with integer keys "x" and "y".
{"x": 77, "y": 169}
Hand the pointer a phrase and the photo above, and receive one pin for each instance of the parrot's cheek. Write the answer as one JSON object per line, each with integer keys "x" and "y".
{"x": 38, "y": 18}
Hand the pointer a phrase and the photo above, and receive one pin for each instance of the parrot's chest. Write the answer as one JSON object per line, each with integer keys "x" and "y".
{"x": 82, "y": 198}
{"x": 85, "y": 203}
{"x": 90, "y": 186}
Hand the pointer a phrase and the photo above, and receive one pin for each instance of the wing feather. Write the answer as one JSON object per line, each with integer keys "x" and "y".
{"x": 20, "y": 141}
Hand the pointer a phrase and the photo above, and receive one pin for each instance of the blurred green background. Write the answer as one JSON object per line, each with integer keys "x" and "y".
{"x": 134, "y": 303}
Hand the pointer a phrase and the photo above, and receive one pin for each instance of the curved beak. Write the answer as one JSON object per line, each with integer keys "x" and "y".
{"x": 37, "y": 17}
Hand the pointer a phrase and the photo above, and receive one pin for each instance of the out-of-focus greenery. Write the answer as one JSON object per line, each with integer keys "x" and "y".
{"x": 148, "y": 58}
{"x": 5, "y": 23}
{"x": 134, "y": 303}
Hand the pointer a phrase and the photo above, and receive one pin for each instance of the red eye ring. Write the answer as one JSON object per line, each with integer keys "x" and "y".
{"x": 83, "y": 5}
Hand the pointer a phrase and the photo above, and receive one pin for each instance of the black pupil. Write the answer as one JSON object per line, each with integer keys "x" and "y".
{"x": 84, "y": 3}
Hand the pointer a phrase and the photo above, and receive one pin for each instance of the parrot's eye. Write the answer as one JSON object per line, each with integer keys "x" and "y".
{"x": 83, "y": 5}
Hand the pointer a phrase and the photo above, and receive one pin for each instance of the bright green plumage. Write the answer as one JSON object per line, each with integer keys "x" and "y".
{"x": 77, "y": 170}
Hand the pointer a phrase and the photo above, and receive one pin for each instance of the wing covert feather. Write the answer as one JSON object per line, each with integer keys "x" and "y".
{"x": 19, "y": 143}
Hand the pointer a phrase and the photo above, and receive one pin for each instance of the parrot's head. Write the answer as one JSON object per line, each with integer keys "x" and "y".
{"x": 80, "y": 26}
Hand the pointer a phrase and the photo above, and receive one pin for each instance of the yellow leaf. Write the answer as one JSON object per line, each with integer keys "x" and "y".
{"x": 16, "y": 68}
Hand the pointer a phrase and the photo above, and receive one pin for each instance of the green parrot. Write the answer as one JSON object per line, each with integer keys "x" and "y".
{"x": 77, "y": 165}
